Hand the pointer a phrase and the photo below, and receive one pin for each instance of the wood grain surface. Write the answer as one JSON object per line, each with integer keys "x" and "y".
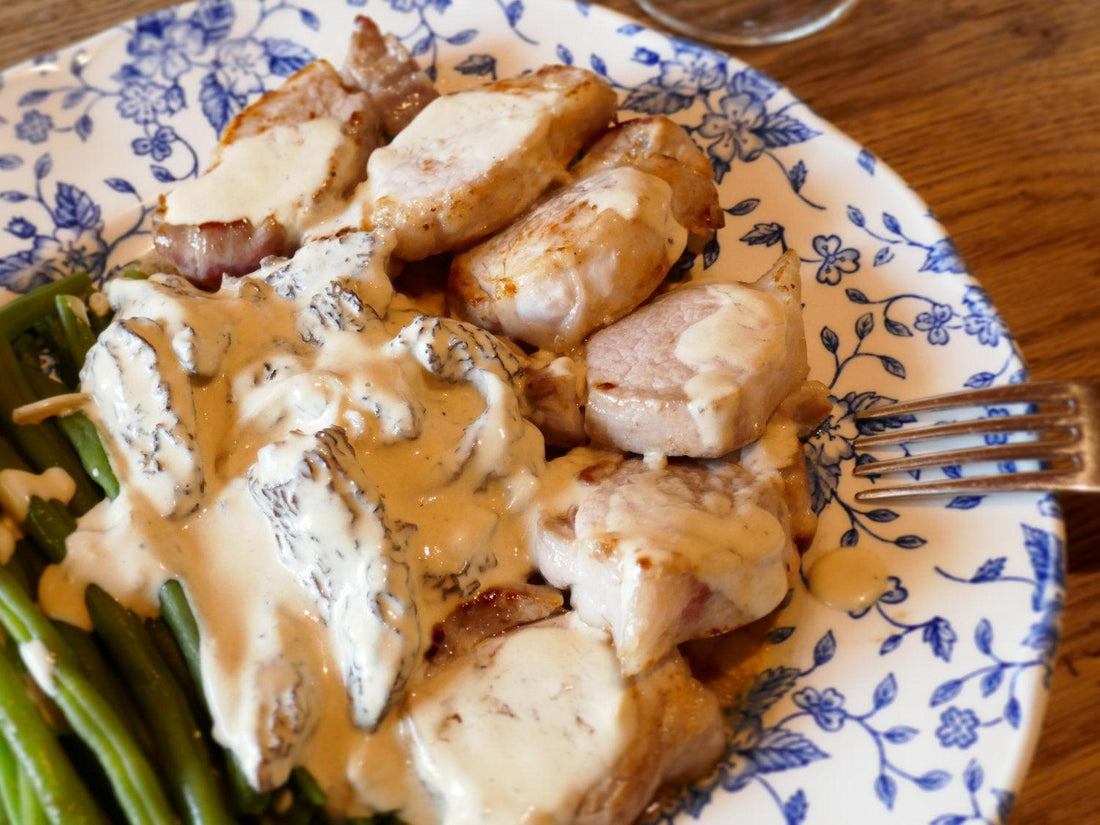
{"x": 990, "y": 110}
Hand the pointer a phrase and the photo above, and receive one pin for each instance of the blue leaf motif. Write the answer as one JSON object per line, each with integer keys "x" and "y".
{"x": 75, "y": 209}
{"x": 933, "y": 780}
{"x": 423, "y": 45}
{"x": 34, "y": 97}
{"x": 647, "y": 57}
{"x": 10, "y": 161}
{"x": 910, "y": 542}
{"x": 285, "y": 57}
{"x": 991, "y": 681}
{"x": 763, "y": 233}
{"x": 964, "y": 502}
{"x": 896, "y": 594}
{"x": 864, "y": 325}
{"x": 1044, "y": 553}
{"x": 892, "y": 365}
{"x": 744, "y": 207}
{"x": 162, "y": 174}
{"x": 780, "y": 750}
{"x": 797, "y": 176}
{"x": 891, "y": 643}
{"x": 973, "y": 776}
{"x": 513, "y": 12}
{"x": 1005, "y": 802}
{"x": 73, "y": 98}
{"x": 829, "y": 339}
{"x": 825, "y": 649}
{"x": 794, "y": 809}
{"x": 1012, "y": 712}
{"x": 309, "y": 19}
{"x": 883, "y": 256}
{"x": 850, "y": 538}
{"x": 121, "y": 185}
{"x": 768, "y": 688}
{"x": 778, "y": 634}
{"x": 478, "y": 64}
{"x": 215, "y": 102}
{"x": 462, "y": 38}
{"x": 885, "y": 692}
{"x": 940, "y": 636}
{"x": 945, "y": 692}
{"x": 950, "y": 819}
{"x": 779, "y": 130}
{"x": 710, "y": 252}
{"x": 979, "y": 380}
{"x": 881, "y": 515}
{"x": 943, "y": 257}
{"x": 83, "y": 127}
{"x": 629, "y": 29}
{"x": 897, "y": 328}
{"x": 983, "y": 637}
{"x": 891, "y": 223}
{"x": 990, "y": 569}
{"x": 855, "y": 296}
{"x": 866, "y": 161}
{"x": 856, "y": 216}
{"x": 599, "y": 66}
{"x": 564, "y": 55}
{"x": 900, "y": 735}
{"x": 12, "y": 197}
{"x": 43, "y": 166}
{"x": 886, "y": 789}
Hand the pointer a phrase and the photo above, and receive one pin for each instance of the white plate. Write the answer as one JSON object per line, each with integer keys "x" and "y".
{"x": 922, "y": 710}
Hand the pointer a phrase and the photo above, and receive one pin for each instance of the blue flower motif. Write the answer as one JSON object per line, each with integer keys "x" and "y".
{"x": 34, "y": 127}
{"x": 933, "y": 322}
{"x": 996, "y": 438}
{"x": 159, "y": 146}
{"x": 835, "y": 262}
{"x": 733, "y": 133}
{"x": 143, "y": 101}
{"x": 827, "y": 709}
{"x": 981, "y": 319}
{"x": 21, "y": 228}
{"x": 957, "y": 728}
{"x": 242, "y": 65}
{"x": 167, "y": 49}
{"x": 694, "y": 73}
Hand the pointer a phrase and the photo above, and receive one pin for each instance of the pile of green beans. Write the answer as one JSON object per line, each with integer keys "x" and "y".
{"x": 119, "y": 732}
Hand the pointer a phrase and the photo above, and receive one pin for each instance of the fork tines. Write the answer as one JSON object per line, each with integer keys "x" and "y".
{"x": 1064, "y": 418}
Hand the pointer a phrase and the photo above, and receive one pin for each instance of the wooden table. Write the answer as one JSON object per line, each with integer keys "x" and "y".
{"x": 990, "y": 109}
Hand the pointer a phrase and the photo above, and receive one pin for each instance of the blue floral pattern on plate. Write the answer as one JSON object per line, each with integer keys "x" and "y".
{"x": 919, "y": 710}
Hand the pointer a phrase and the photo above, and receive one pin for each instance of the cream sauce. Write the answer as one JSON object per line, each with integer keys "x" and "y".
{"x": 848, "y": 578}
{"x": 745, "y": 336}
{"x": 276, "y": 173}
{"x": 18, "y": 487}
{"x": 554, "y": 692}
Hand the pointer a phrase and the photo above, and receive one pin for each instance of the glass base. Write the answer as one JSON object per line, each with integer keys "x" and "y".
{"x": 746, "y": 22}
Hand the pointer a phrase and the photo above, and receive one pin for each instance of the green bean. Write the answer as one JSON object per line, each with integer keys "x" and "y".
{"x": 9, "y": 781}
{"x": 91, "y": 716}
{"x": 177, "y": 614}
{"x": 77, "y": 329}
{"x": 64, "y": 798}
{"x": 32, "y": 813}
{"x": 187, "y": 768}
{"x": 306, "y": 787}
{"x": 49, "y": 524}
{"x": 21, "y": 314}
{"x": 81, "y": 433}
{"x": 42, "y": 445}
{"x": 99, "y": 673}
{"x": 169, "y": 651}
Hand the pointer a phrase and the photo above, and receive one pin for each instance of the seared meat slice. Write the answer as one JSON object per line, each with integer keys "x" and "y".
{"x": 569, "y": 738}
{"x": 471, "y": 161}
{"x": 583, "y": 258}
{"x": 206, "y": 251}
{"x": 700, "y": 370}
{"x": 661, "y": 147}
{"x": 489, "y": 613}
{"x": 143, "y": 400}
{"x": 229, "y": 219}
{"x": 665, "y": 554}
{"x": 349, "y": 558}
{"x": 554, "y": 391}
{"x": 383, "y": 68}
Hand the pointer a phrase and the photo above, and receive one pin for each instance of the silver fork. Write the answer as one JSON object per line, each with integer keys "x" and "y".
{"x": 1064, "y": 416}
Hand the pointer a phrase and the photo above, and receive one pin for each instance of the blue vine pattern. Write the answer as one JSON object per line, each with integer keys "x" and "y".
{"x": 894, "y": 284}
